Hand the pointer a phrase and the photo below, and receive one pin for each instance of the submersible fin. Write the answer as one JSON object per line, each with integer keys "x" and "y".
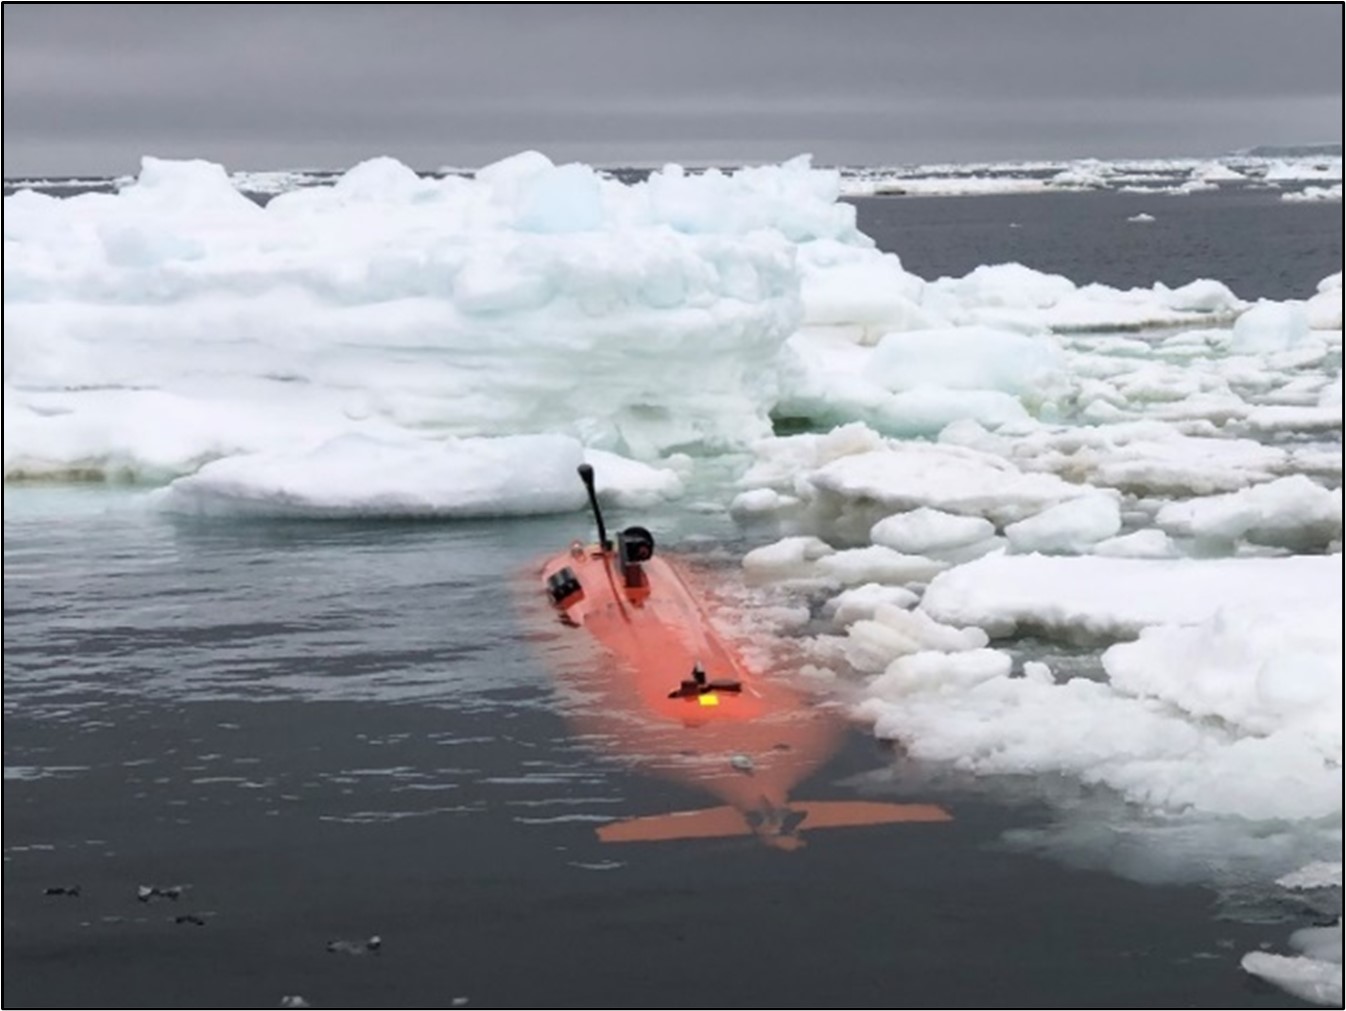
{"x": 725, "y": 822}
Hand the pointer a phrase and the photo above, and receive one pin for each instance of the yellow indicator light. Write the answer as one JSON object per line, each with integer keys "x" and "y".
{"x": 709, "y": 699}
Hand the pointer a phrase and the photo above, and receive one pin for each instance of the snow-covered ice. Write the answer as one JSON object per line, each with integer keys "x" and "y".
{"x": 355, "y": 475}
{"x": 1072, "y": 526}
{"x": 363, "y": 476}
{"x": 536, "y": 298}
{"x": 1089, "y": 598}
{"x": 1291, "y": 512}
{"x": 925, "y": 531}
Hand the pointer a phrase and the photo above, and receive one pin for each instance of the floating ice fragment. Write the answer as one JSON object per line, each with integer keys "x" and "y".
{"x": 369, "y": 945}
{"x": 1072, "y": 527}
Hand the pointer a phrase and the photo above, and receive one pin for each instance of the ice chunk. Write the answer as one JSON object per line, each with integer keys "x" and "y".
{"x": 928, "y": 409}
{"x": 859, "y": 296}
{"x": 1071, "y": 527}
{"x": 1085, "y": 174}
{"x": 566, "y": 199}
{"x": 967, "y": 358}
{"x": 150, "y": 435}
{"x": 630, "y": 483}
{"x": 1214, "y": 171}
{"x": 1309, "y": 979}
{"x": 1269, "y": 326}
{"x": 1091, "y": 598}
{"x": 828, "y": 379}
{"x": 788, "y": 558}
{"x": 1324, "y": 308}
{"x": 1140, "y": 544}
{"x": 1319, "y": 874}
{"x": 186, "y": 187}
{"x": 924, "y": 531}
{"x": 1139, "y": 457}
{"x": 1039, "y": 301}
{"x": 779, "y": 461}
{"x": 905, "y": 476}
{"x": 862, "y": 601}
{"x": 871, "y": 645}
{"x": 877, "y": 564}
{"x": 356, "y": 475}
{"x": 1292, "y": 512}
{"x": 1035, "y": 670}
{"x": 761, "y": 501}
{"x": 808, "y": 559}
{"x": 1276, "y": 418}
{"x": 379, "y": 180}
{"x": 1176, "y": 464}
{"x": 1313, "y": 194}
{"x": 1008, "y": 284}
{"x": 1203, "y": 295}
{"x": 933, "y": 670}
{"x": 1262, "y": 668}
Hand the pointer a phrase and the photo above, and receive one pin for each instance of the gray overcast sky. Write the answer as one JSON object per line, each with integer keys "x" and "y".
{"x": 90, "y": 88}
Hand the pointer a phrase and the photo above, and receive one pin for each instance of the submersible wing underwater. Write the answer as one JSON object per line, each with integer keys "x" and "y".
{"x": 665, "y": 691}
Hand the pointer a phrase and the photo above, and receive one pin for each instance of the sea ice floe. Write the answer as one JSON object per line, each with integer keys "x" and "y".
{"x": 1269, "y": 326}
{"x": 1291, "y": 512}
{"x": 398, "y": 475}
{"x": 955, "y": 479}
{"x": 353, "y": 475}
{"x": 1228, "y": 703}
{"x": 1070, "y": 527}
{"x": 1089, "y": 598}
{"x": 1311, "y": 979}
{"x": 862, "y": 601}
{"x": 1138, "y": 544}
{"x": 926, "y": 531}
{"x": 1260, "y": 669}
{"x": 534, "y": 298}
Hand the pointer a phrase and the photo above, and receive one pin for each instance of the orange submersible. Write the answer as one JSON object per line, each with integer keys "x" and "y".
{"x": 660, "y": 688}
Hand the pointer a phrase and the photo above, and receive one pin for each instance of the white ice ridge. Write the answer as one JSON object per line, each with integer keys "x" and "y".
{"x": 532, "y": 298}
{"x": 177, "y": 322}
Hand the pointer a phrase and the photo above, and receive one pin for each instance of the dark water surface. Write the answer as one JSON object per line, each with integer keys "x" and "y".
{"x": 1256, "y": 243}
{"x": 326, "y": 731}
{"x": 330, "y": 731}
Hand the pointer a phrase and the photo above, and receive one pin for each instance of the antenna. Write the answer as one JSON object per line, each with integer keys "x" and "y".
{"x": 587, "y": 476}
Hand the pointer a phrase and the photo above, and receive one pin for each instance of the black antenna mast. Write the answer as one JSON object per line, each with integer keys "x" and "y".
{"x": 587, "y": 476}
